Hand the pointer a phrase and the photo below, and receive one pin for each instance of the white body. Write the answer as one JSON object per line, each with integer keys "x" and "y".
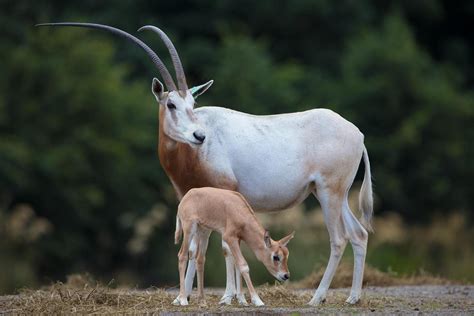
{"x": 276, "y": 160}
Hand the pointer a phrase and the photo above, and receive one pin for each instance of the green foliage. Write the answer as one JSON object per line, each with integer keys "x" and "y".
{"x": 253, "y": 82}
{"x": 78, "y": 144}
{"x": 415, "y": 117}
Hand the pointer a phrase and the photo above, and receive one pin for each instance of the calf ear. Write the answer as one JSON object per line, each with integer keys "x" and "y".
{"x": 157, "y": 89}
{"x": 267, "y": 239}
{"x": 285, "y": 240}
{"x": 198, "y": 90}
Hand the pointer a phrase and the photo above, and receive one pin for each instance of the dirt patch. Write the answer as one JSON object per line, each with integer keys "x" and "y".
{"x": 79, "y": 296}
{"x": 372, "y": 277}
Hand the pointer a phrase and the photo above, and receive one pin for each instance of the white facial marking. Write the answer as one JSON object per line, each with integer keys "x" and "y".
{"x": 180, "y": 123}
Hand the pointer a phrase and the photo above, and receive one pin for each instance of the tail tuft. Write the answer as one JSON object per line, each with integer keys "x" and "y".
{"x": 366, "y": 200}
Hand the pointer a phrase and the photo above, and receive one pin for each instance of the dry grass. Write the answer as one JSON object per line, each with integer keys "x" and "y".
{"x": 81, "y": 294}
{"x": 74, "y": 297}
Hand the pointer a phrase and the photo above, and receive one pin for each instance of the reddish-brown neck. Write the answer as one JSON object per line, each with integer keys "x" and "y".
{"x": 184, "y": 165}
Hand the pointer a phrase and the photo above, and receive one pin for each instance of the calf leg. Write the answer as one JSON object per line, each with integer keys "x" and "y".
{"x": 182, "y": 258}
{"x": 203, "y": 237}
{"x": 239, "y": 293}
{"x": 191, "y": 272}
{"x": 230, "y": 273}
{"x": 331, "y": 204}
{"x": 358, "y": 237}
{"x": 243, "y": 267}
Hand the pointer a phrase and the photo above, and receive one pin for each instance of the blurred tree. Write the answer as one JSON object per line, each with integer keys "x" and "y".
{"x": 417, "y": 120}
{"x": 78, "y": 144}
{"x": 252, "y": 82}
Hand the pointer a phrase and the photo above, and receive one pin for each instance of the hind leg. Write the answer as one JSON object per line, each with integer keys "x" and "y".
{"x": 358, "y": 236}
{"x": 203, "y": 239}
{"x": 191, "y": 271}
{"x": 188, "y": 232}
{"x": 331, "y": 203}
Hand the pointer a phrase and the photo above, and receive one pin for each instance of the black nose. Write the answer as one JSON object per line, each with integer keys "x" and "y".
{"x": 286, "y": 276}
{"x": 199, "y": 136}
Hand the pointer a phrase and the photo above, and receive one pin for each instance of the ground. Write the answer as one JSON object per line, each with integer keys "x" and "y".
{"x": 63, "y": 298}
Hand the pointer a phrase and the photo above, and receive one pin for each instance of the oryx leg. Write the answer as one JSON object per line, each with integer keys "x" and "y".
{"x": 358, "y": 237}
{"x": 230, "y": 289}
{"x": 203, "y": 239}
{"x": 189, "y": 230}
{"x": 331, "y": 203}
{"x": 191, "y": 272}
{"x": 243, "y": 267}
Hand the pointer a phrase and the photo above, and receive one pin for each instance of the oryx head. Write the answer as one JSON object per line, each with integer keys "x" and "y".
{"x": 176, "y": 103}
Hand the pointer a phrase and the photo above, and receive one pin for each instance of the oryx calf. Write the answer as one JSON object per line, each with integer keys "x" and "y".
{"x": 209, "y": 209}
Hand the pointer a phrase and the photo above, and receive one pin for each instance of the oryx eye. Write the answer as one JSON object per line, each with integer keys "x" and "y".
{"x": 276, "y": 258}
{"x": 171, "y": 106}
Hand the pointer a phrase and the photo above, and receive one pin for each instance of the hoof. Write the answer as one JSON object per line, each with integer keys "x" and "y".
{"x": 353, "y": 299}
{"x": 316, "y": 301}
{"x": 257, "y": 301}
{"x": 241, "y": 299}
{"x": 179, "y": 301}
{"x": 226, "y": 299}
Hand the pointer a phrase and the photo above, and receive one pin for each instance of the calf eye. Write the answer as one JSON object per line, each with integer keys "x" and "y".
{"x": 276, "y": 258}
{"x": 171, "y": 106}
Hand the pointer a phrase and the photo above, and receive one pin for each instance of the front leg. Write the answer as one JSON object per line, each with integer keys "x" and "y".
{"x": 238, "y": 284}
{"x": 244, "y": 270}
{"x": 229, "y": 293}
{"x": 203, "y": 237}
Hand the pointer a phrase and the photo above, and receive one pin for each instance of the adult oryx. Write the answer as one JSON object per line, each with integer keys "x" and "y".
{"x": 275, "y": 161}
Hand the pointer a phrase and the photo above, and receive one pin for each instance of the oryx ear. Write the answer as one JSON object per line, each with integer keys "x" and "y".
{"x": 285, "y": 240}
{"x": 198, "y": 90}
{"x": 267, "y": 239}
{"x": 157, "y": 89}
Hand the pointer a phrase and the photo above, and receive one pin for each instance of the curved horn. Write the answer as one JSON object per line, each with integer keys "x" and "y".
{"x": 154, "y": 58}
{"x": 178, "y": 67}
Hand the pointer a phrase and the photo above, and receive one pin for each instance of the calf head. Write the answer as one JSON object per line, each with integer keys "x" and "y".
{"x": 275, "y": 256}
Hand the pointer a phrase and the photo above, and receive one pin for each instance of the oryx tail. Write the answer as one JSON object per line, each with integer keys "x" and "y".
{"x": 366, "y": 201}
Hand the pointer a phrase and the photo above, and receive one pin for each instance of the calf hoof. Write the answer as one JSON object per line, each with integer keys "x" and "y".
{"x": 257, "y": 301}
{"x": 226, "y": 299}
{"x": 317, "y": 300}
{"x": 180, "y": 301}
{"x": 353, "y": 299}
{"x": 241, "y": 299}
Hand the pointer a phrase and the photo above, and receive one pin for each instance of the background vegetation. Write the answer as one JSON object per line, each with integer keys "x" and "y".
{"x": 81, "y": 188}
